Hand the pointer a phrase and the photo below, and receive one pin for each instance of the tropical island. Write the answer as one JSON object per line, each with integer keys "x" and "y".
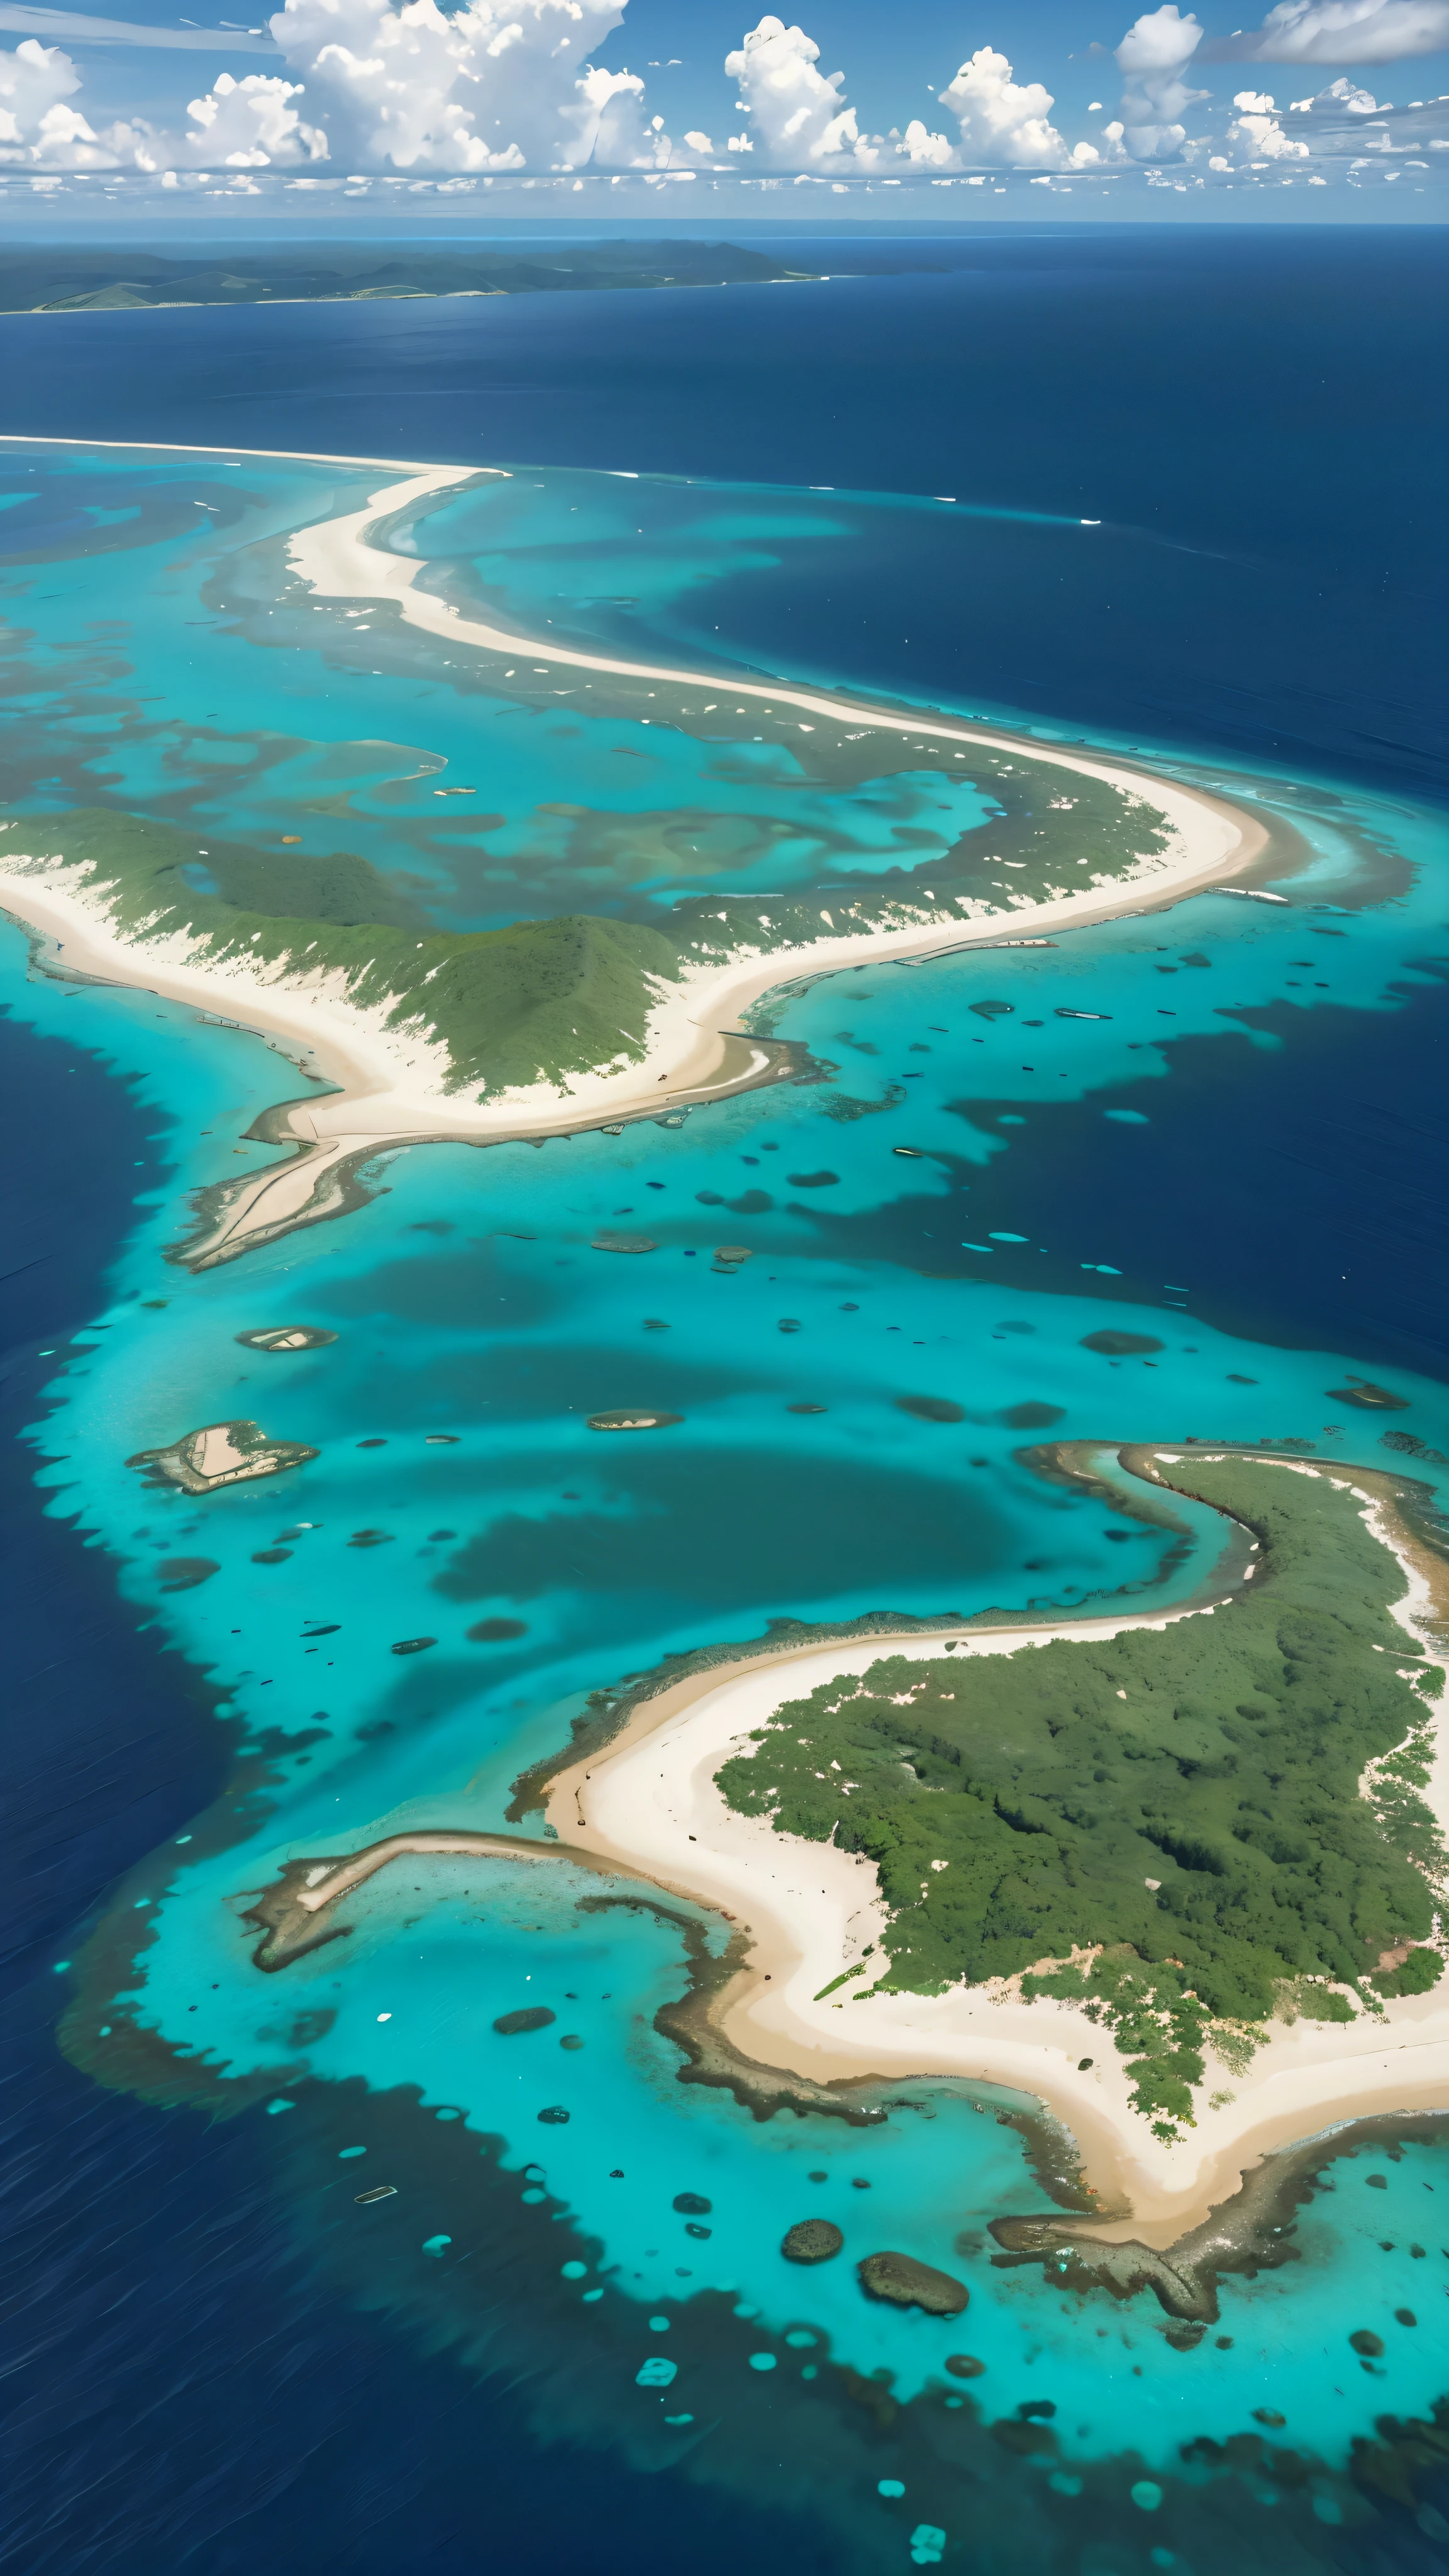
{"x": 93, "y": 279}
{"x": 549, "y": 1026}
{"x": 1178, "y": 1875}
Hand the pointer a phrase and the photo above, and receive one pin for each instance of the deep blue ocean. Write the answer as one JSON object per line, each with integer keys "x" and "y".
{"x": 197, "y": 2373}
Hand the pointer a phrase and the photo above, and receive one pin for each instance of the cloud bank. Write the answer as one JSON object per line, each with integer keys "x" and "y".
{"x": 1341, "y": 31}
{"x": 60, "y": 26}
{"x": 363, "y": 94}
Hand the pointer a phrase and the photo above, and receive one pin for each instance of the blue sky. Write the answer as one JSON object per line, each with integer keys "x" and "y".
{"x": 604, "y": 109}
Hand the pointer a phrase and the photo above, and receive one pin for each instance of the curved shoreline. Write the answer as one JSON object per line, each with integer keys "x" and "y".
{"x": 648, "y": 1801}
{"x": 384, "y": 1082}
{"x": 757, "y": 2020}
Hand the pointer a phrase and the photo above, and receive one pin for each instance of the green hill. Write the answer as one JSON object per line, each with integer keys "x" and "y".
{"x": 538, "y": 1001}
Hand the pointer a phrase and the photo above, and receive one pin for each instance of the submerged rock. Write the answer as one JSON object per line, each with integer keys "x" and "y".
{"x": 964, "y": 2365}
{"x": 1121, "y": 2268}
{"x": 1368, "y": 2345}
{"x": 906, "y": 2283}
{"x": 183, "y": 1573}
{"x": 812, "y": 2240}
{"x": 931, "y": 1408}
{"x": 530, "y": 2017}
{"x": 692, "y": 2204}
{"x": 1023, "y": 2436}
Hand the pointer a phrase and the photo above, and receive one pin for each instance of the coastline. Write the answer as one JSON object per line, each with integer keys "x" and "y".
{"x": 387, "y": 1081}
{"x": 647, "y": 1801}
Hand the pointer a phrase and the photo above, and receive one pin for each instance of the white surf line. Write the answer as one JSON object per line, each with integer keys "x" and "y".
{"x": 179, "y": 447}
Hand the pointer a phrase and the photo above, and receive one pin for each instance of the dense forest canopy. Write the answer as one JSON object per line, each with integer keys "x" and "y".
{"x": 1188, "y": 1798}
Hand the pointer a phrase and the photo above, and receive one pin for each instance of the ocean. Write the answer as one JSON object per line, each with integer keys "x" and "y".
{"x": 1183, "y": 520}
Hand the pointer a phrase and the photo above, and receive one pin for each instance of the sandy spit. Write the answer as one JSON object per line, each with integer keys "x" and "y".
{"x": 389, "y": 1082}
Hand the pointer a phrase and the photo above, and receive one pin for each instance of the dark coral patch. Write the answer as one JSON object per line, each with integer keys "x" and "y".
{"x": 812, "y": 2240}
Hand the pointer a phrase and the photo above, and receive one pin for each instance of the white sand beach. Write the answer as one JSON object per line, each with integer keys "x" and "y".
{"x": 389, "y": 1082}
{"x": 649, "y": 1802}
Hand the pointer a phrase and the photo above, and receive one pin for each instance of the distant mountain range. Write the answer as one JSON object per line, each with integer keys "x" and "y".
{"x": 94, "y": 280}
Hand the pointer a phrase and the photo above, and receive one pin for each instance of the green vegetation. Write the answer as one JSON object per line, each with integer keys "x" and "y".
{"x": 544, "y": 1000}
{"x": 49, "y": 279}
{"x": 1324, "y": 2003}
{"x": 1185, "y": 1801}
{"x": 534, "y": 1002}
{"x": 1056, "y": 833}
{"x": 1413, "y": 1976}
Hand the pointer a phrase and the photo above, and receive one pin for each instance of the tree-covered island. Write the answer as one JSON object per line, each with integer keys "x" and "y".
{"x": 1225, "y": 1812}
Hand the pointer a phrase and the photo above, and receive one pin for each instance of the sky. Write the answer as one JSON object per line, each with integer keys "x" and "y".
{"x": 605, "y": 110}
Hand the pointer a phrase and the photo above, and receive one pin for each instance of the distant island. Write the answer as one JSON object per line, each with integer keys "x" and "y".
{"x": 99, "y": 280}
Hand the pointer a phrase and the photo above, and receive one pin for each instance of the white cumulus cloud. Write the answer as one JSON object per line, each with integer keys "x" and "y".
{"x": 40, "y": 130}
{"x": 1259, "y": 131}
{"x": 927, "y": 151}
{"x": 1343, "y": 31}
{"x": 1154, "y": 53}
{"x": 1008, "y": 121}
{"x": 34, "y": 82}
{"x": 799, "y": 116}
{"x": 501, "y": 85}
{"x": 1346, "y": 96}
{"x": 251, "y": 124}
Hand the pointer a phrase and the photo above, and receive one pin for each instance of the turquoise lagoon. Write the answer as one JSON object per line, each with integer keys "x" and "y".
{"x": 467, "y": 1301}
